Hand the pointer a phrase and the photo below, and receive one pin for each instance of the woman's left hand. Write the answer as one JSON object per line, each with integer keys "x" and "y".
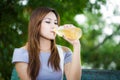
{"x": 73, "y": 42}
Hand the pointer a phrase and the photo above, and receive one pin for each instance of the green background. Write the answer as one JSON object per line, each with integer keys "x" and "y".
{"x": 14, "y": 17}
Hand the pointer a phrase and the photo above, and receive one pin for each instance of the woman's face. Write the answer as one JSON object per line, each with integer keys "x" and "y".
{"x": 47, "y": 26}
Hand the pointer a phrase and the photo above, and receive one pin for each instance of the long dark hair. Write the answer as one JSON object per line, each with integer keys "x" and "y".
{"x": 33, "y": 45}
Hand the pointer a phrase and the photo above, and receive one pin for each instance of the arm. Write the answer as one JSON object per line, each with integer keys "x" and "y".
{"x": 73, "y": 69}
{"x": 21, "y": 69}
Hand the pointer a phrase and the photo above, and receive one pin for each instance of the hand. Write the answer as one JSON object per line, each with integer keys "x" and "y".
{"x": 73, "y": 42}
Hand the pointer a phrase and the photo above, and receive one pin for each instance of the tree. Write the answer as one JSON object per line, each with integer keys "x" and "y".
{"x": 14, "y": 17}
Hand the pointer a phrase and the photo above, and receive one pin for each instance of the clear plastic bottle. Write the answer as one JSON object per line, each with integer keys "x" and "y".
{"x": 70, "y": 33}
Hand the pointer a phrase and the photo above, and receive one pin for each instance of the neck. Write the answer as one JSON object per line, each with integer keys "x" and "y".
{"x": 45, "y": 45}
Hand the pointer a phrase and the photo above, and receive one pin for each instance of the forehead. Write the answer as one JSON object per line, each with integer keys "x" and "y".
{"x": 50, "y": 16}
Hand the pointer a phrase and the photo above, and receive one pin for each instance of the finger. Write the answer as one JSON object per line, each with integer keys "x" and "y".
{"x": 68, "y": 26}
{"x": 67, "y": 39}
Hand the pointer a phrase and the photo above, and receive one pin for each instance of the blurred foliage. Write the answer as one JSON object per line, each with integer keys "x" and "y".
{"x": 14, "y": 19}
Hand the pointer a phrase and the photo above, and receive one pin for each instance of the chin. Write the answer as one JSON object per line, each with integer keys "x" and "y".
{"x": 52, "y": 38}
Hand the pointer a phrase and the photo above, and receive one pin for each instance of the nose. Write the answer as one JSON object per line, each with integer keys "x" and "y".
{"x": 52, "y": 26}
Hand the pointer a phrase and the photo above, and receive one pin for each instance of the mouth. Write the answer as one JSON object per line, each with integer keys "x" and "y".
{"x": 53, "y": 33}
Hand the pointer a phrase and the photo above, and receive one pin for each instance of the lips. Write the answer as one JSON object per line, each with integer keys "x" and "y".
{"x": 52, "y": 32}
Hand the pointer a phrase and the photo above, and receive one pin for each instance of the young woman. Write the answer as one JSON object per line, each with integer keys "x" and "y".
{"x": 39, "y": 59}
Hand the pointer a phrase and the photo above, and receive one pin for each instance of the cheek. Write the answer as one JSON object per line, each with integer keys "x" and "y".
{"x": 43, "y": 27}
{"x": 44, "y": 30}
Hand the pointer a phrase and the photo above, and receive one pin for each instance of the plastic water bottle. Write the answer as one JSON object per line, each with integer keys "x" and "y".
{"x": 70, "y": 33}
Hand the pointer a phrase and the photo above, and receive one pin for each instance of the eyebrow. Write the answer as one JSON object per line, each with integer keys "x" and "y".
{"x": 50, "y": 19}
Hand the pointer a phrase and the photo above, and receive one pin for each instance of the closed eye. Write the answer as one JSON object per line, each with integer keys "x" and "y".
{"x": 56, "y": 23}
{"x": 47, "y": 21}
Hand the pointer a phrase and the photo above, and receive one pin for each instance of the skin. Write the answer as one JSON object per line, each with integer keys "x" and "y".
{"x": 72, "y": 69}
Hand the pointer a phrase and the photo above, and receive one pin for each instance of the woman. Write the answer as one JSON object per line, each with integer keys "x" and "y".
{"x": 39, "y": 59}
